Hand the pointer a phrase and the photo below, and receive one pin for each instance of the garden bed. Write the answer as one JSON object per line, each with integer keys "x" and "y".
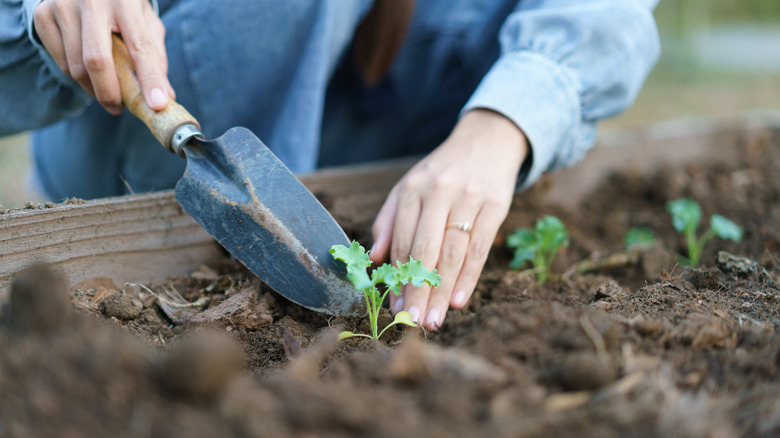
{"x": 643, "y": 347}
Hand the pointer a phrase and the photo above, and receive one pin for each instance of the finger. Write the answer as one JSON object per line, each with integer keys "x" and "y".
{"x": 69, "y": 22}
{"x": 382, "y": 233}
{"x": 414, "y": 300}
{"x": 486, "y": 227}
{"x": 405, "y": 218}
{"x": 145, "y": 53}
{"x": 427, "y": 247}
{"x": 453, "y": 254}
{"x": 409, "y": 206}
{"x": 404, "y": 222}
{"x": 50, "y": 35}
{"x": 98, "y": 59}
{"x": 158, "y": 32}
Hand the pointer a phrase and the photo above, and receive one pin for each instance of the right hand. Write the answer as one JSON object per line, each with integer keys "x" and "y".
{"x": 77, "y": 34}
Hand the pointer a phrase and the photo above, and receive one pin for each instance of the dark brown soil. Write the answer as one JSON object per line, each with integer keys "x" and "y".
{"x": 644, "y": 348}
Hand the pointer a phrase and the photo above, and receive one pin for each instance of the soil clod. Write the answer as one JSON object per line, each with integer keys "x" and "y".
{"x": 201, "y": 365}
{"x": 39, "y": 302}
{"x": 121, "y": 306}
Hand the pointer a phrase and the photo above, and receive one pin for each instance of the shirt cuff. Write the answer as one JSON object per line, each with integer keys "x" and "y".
{"x": 541, "y": 97}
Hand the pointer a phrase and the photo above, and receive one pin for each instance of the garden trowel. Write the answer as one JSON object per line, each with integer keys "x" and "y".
{"x": 245, "y": 197}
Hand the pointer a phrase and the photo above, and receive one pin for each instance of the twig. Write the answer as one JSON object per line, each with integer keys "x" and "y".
{"x": 742, "y": 316}
{"x": 127, "y": 184}
{"x": 612, "y": 261}
{"x": 595, "y": 336}
{"x": 199, "y": 302}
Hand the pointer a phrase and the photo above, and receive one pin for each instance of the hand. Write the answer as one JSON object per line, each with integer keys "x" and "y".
{"x": 77, "y": 34}
{"x": 470, "y": 178}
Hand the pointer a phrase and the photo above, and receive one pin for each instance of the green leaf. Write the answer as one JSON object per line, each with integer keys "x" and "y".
{"x": 389, "y": 275}
{"x": 526, "y": 243}
{"x": 552, "y": 233}
{"x": 522, "y": 255}
{"x": 404, "y": 317}
{"x": 354, "y": 256}
{"x": 539, "y": 246}
{"x": 357, "y": 261}
{"x": 639, "y": 237}
{"x": 725, "y": 229}
{"x": 522, "y": 238}
{"x": 345, "y": 334}
{"x": 414, "y": 271}
{"x": 686, "y": 214}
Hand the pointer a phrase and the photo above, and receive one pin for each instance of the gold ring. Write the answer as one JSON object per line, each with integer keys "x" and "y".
{"x": 463, "y": 226}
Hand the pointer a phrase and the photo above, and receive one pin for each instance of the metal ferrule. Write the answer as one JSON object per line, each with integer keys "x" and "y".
{"x": 183, "y": 134}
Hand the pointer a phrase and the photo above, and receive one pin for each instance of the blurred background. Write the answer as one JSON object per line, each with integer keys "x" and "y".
{"x": 720, "y": 58}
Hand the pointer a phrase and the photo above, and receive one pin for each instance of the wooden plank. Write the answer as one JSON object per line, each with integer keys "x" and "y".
{"x": 148, "y": 237}
{"x": 140, "y": 238}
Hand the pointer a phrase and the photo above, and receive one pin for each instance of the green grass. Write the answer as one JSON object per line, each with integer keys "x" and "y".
{"x": 682, "y": 87}
{"x": 683, "y": 15}
{"x": 14, "y": 165}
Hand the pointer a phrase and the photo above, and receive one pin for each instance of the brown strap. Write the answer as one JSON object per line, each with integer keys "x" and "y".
{"x": 379, "y": 38}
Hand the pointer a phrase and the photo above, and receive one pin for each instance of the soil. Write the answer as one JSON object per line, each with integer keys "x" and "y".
{"x": 641, "y": 347}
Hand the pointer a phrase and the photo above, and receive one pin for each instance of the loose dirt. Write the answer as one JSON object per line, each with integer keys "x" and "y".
{"x": 644, "y": 347}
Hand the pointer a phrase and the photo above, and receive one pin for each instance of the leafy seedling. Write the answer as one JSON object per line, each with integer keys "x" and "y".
{"x": 393, "y": 277}
{"x": 686, "y": 216}
{"x": 639, "y": 238}
{"x": 539, "y": 246}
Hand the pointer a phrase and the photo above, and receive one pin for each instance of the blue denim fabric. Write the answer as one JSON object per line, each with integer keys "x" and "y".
{"x": 554, "y": 67}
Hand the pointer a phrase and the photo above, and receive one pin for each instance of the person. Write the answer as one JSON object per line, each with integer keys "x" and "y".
{"x": 495, "y": 92}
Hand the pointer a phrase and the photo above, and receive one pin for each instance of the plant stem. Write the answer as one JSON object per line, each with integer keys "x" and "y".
{"x": 369, "y": 294}
{"x": 387, "y": 327}
{"x": 690, "y": 241}
{"x": 695, "y": 250}
{"x": 540, "y": 263}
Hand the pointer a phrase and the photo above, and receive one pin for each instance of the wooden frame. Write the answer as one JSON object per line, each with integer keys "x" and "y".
{"x": 148, "y": 237}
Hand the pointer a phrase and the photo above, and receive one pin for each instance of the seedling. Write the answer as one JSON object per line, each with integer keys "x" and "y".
{"x": 539, "y": 246}
{"x": 393, "y": 277}
{"x": 686, "y": 216}
{"x": 639, "y": 238}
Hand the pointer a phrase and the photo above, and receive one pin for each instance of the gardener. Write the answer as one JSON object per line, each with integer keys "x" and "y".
{"x": 496, "y": 92}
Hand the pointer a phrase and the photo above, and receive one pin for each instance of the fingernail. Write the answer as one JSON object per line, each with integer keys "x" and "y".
{"x": 114, "y": 110}
{"x": 433, "y": 319}
{"x": 415, "y": 312}
{"x": 399, "y": 305}
{"x": 157, "y": 98}
{"x": 459, "y": 299}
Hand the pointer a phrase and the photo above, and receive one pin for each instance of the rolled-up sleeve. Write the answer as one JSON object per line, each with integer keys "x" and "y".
{"x": 563, "y": 66}
{"x": 34, "y": 92}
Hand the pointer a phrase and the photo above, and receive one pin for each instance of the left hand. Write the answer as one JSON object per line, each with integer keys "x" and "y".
{"x": 468, "y": 179}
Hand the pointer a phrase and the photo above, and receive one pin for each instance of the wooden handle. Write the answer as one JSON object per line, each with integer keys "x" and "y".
{"x": 163, "y": 124}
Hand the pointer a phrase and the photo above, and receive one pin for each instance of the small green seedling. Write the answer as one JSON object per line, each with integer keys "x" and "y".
{"x": 639, "y": 238}
{"x": 393, "y": 277}
{"x": 686, "y": 216}
{"x": 539, "y": 245}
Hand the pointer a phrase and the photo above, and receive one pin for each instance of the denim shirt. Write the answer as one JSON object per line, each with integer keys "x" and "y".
{"x": 553, "y": 67}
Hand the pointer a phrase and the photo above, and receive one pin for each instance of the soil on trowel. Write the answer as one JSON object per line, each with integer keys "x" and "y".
{"x": 618, "y": 343}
